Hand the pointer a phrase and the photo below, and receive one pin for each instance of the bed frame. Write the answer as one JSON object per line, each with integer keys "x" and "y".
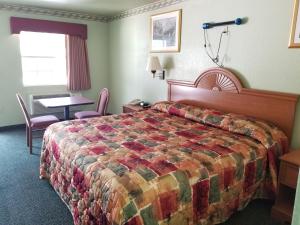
{"x": 219, "y": 88}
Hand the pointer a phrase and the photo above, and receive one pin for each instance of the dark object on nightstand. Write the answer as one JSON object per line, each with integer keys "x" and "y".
{"x": 145, "y": 104}
{"x": 287, "y": 185}
{"x": 134, "y": 108}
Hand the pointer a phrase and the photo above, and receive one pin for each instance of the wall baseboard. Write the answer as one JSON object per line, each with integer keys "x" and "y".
{"x": 12, "y": 127}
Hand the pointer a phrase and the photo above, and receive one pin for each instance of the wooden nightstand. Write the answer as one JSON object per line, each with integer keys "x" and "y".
{"x": 287, "y": 185}
{"x": 133, "y": 108}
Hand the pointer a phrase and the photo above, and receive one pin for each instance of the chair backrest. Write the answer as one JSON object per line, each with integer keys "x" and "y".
{"x": 24, "y": 110}
{"x": 103, "y": 101}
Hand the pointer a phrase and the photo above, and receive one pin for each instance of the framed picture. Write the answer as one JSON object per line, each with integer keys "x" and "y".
{"x": 295, "y": 31}
{"x": 166, "y": 32}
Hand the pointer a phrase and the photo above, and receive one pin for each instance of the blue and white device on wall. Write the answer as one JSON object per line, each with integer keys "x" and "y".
{"x": 237, "y": 21}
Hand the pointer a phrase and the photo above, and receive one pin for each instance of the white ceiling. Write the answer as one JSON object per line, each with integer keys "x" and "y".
{"x": 103, "y": 7}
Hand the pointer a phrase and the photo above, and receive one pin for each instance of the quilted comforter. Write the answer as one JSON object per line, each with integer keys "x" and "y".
{"x": 172, "y": 164}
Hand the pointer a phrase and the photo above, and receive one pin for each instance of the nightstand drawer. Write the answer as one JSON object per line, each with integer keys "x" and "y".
{"x": 288, "y": 174}
{"x": 287, "y": 183}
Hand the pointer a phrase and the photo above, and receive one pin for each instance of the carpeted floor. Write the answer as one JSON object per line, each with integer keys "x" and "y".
{"x": 27, "y": 200}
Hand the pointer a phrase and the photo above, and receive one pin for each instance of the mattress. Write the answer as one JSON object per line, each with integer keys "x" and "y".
{"x": 172, "y": 164}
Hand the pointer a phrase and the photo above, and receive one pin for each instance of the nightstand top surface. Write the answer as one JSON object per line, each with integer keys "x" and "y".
{"x": 132, "y": 106}
{"x": 292, "y": 157}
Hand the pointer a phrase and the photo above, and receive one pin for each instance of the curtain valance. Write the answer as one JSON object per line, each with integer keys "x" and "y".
{"x": 18, "y": 24}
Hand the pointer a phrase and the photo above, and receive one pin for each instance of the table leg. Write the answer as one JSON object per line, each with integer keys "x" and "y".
{"x": 67, "y": 112}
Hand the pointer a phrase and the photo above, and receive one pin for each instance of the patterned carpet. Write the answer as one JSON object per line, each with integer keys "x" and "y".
{"x": 27, "y": 200}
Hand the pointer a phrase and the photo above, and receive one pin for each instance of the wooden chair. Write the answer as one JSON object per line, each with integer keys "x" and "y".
{"x": 101, "y": 106}
{"x": 36, "y": 123}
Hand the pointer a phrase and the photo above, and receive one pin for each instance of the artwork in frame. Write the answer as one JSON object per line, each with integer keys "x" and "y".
{"x": 295, "y": 31}
{"x": 166, "y": 32}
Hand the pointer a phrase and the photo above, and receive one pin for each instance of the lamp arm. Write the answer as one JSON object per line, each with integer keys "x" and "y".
{"x": 161, "y": 75}
{"x": 153, "y": 73}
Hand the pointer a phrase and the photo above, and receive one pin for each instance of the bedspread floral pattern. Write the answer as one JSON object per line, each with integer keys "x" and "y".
{"x": 160, "y": 166}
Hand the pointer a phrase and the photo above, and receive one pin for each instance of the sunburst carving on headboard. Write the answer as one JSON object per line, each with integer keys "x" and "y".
{"x": 219, "y": 79}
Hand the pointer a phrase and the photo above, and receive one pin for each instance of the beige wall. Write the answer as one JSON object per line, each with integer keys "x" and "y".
{"x": 257, "y": 50}
{"x": 11, "y": 72}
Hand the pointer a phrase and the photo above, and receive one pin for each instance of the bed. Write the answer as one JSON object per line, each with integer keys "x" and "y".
{"x": 194, "y": 159}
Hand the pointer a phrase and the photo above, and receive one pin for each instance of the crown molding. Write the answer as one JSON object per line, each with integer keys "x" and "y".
{"x": 52, "y": 12}
{"x": 87, "y": 16}
{"x": 146, "y": 8}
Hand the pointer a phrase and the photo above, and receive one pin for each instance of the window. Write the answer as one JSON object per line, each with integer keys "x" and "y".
{"x": 43, "y": 59}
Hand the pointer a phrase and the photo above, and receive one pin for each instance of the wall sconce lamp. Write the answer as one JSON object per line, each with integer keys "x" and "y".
{"x": 153, "y": 66}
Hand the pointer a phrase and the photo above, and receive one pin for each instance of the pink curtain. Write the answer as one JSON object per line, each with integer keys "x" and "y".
{"x": 77, "y": 64}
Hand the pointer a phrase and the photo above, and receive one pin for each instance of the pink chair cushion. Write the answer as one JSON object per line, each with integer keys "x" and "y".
{"x": 86, "y": 114}
{"x": 42, "y": 122}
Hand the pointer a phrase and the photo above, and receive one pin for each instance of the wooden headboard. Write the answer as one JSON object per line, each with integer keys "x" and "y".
{"x": 219, "y": 88}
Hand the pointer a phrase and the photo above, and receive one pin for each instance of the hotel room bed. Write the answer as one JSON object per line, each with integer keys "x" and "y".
{"x": 176, "y": 163}
{"x": 173, "y": 164}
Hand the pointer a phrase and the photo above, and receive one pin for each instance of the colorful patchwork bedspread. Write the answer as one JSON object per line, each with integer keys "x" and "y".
{"x": 173, "y": 164}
